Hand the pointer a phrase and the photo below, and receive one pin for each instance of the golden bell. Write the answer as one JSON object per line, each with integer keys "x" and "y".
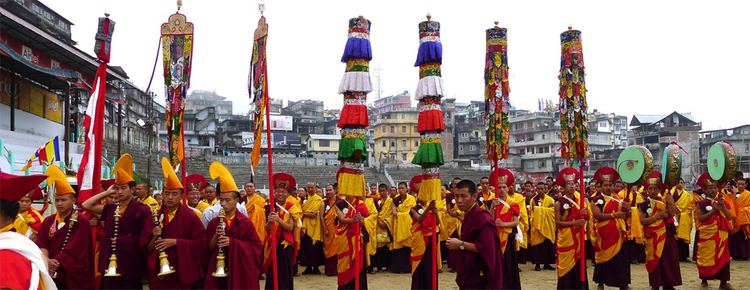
{"x": 112, "y": 269}
{"x": 164, "y": 267}
{"x": 221, "y": 270}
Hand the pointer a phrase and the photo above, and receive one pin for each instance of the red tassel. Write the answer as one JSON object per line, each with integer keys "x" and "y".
{"x": 431, "y": 120}
{"x": 353, "y": 115}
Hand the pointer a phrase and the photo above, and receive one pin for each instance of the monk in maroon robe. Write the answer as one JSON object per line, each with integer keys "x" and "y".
{"x": 479, "y": 262}
{"x": 179, "y": 233}
{"x": 65, "y": 239}
{"x": 134, "y": 230}
{"x": 238, "y": 240}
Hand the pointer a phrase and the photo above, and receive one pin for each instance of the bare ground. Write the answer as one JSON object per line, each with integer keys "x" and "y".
{"x": 531, "y": 279}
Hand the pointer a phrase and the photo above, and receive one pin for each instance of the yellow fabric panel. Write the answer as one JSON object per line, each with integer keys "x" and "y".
{"x": 685, "y": 206}
{"x": 312, "y": 226}
{"x": 543, "y": 225}
{"x": 523, "y": 220}
{"x": 430, "y": 189}
{"x": 371, "y": 225}
{"x": 402, "y": 223}
{"x": 351, "y": 185}
{"x": 21, "y": 227}
{"x": 256, "y": 212}
{"x": 418, "y": 247}
{"x": 566, "y": 259}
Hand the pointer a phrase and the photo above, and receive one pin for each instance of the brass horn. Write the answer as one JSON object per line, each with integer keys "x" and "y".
{"x": 221, "y": 270}
{"x": 112, "y": 268}
{"x": 164, "y": 267}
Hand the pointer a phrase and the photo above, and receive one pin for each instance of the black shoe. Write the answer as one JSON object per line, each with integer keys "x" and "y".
{"x": 537, "y": 268}
{"x": 307, "y": 271}
{"x": 548, "y": 267}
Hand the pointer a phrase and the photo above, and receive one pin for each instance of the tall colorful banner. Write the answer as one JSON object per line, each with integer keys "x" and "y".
{"x": 257, "y": 86}
{"x": 573, "y": 131}
{"x": 496, "y": 93}
{"x": 89, "y": 172}
{"x": 177, "y": 52}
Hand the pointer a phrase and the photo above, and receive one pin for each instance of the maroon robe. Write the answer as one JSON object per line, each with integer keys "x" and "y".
{"x": 482, "y": 270}
{"x": 243, "y": 255}
{"x": 76, "y": 269}
{"x": 188, "y": 257}
{"x": 134, "y": 233}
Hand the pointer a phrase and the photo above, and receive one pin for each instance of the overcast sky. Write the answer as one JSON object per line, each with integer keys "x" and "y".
{"x": 642, "y": 57}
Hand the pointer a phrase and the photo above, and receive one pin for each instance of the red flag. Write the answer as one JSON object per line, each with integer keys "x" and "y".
{"x": 89, "y": 173}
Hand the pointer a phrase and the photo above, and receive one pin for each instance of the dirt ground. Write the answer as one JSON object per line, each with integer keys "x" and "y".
{"x": 531, "y": 279}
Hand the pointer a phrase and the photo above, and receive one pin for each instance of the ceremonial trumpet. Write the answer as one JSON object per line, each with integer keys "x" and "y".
{"x": 112, "y": 268}
{"x": 164, "y": 267}
{"x": 221, "y": 270}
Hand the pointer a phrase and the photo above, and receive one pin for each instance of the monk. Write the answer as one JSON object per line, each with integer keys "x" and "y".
{"x": 178, "y": 232}
{"x": 330, "y": 221}
{"x": 506, "y": 213}
{"x": 401, "y": 229}
{"x": 683, "y": 200}
{"x": 739, "y": 244}
{"x": 423, "y": 254}
{"x": 133, "y": 229}
{"x": 542, "y": 234}
{"x": 384, "y": 204}
{"x": 23, "y": 265}
{"x": 65, "y": 238}
{"x": 31, "y": 216}
{"x": 351, "y": 242}
{"x": 210, "y": 195}
{"x": 311, "y": 252}
{"x": 479, "y": 259}
{"x": 485, "y": 200}
{"x": 713, "y": 214}
{"x": 282, "y": 226}
{"x": 371, "y": 225}
{"x": 256, "y": 211}
{"x": 196, "y": 183}
{"x": 612, "y": 265}
{"x": 142, "y": 191}
{"x": 657, "y": 217}
{"x": 570, "y": 219}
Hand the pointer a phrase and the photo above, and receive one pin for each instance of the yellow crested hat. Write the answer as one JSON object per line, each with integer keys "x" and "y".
{"x": 171, "y": 181}
{"x": 123, "y": 170}
{"x": 56, "y": 176}
{"x": 226, "y": 180}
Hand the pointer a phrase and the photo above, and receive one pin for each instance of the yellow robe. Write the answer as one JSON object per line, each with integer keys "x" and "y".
{"x": 569, "y": 247}
{"x": 311, "y": 226}
{"x": 401, "y": 223}
{"x": 542, "y": 220}
{"x": 385, "y": 215}
{"x": 329, "y": 241}
{"x": 202, "y": 206}
{"x": 685, "y": 206}
{"x": 21, "y": 227}
{"x": 256, "y": 212}
{"x": 448, "y": 223}
{"x": 523, "y": 219}
{"x": 371, "y": 225}
{"x": 151, "y": 202}
{"x": 741, "y": 211}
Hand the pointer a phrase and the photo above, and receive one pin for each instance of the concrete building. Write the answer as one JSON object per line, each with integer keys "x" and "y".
{"x": 739, "y": 137}
{"x": 307, "y": 114}
{"x": 391, "y": 103}
{"x": 199, "y": 100}
{"x": 396, "y": 137}
{"x": 323, "y": 146}
{"x": 469, "y": 133}
{"x": 45, "y": 82}
{"x": 656, "y": 132}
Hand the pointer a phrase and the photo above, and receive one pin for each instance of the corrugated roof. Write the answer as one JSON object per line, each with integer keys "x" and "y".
{"x": 325, "y": 137}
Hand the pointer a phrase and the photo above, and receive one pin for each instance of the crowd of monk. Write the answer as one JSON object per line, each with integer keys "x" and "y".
{"x": 217, "y": 236}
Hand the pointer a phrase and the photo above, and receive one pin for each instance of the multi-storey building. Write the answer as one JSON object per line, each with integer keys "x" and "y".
{"x": 392, "y": 103}
{"x": 396, "y": 137}
{"x": 656, "y": 132}
{"x": 199, "y": 100}
{"x": 739, "y": 137}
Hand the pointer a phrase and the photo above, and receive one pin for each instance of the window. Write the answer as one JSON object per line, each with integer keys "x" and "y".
{"x": 472, "y": 147}
{"x": 461, "y": 148}
{"x": 416, "y": 143}
{"x": 522, "y": 151}
{"x": 603, "y": 124}
{"x": 393, "y": 143}
{"x": 403, "y": 156}
{"x": 403, "y": 129}
{"x": 403, "y": 143}
{"x": 384, "y": 143}
{"x": 391, "y": 129}
{"x": 383, "y": 129}
{"x": 747, "y": 147}
{"x": 544, "y": 136}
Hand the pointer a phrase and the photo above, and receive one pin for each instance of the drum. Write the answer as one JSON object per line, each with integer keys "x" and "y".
{"x": 721, "y": 162}
{"x": 671, "y": 165}
{"x": 635, "y": 164}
